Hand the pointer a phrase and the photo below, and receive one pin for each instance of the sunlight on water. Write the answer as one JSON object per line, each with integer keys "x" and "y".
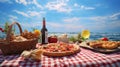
{"x": 93, "y": 36}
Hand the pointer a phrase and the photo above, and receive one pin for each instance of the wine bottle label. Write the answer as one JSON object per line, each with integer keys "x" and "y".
{"x": 46, "y": 37}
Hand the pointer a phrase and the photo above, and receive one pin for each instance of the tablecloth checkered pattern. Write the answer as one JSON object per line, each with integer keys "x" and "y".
{"x": 85, "y": 58}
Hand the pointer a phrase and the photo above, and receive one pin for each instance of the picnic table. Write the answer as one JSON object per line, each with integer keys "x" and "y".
{"x": 85, "y": 58}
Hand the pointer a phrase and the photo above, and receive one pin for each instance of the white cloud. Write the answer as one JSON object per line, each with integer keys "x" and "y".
{"x": 24, "y": 2}
{"x": 72, "y": 20}
{"x": 4, "y": 1}
{"x": 13, "y": 18}
{"x": 83, "y": 7}
{"x": 59, "y": 5}
{"x": 33, "y": 13}
{"x": 21, "y": 13}
{"x": 30, "y": 24}
{"x": 73, "y": 26}
{"x": 106, "y": 22}
{"x": 105, "y": 26}
{"x": 98, "y": 18}
{"x": 64, "y": 26}
{"x": 27, "y": 2}
{"x": 68, "y": 24}
{"x": 37, "y": 4}
{"x": 76, "y": 5}
{"x": 111, "y": 17}
{"x": 54, "y": 24}
{"x": 29, "y": 13}
{"x": 86, "y": 7}
{"x": 115, "y": 24}
{"x": 115, "y": 16}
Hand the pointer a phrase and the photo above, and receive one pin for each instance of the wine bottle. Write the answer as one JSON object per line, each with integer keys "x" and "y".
{"x": 44, "y": 32}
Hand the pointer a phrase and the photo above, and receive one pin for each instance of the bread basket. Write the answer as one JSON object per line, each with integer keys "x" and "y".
{"x": 16, "y": 47}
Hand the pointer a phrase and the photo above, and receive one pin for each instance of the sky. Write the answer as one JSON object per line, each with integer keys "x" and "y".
{"x": 63, "y": 15}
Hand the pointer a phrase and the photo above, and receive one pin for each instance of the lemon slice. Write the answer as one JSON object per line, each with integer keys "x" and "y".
{"x": 37, "y": 32}
{"x": 85, "y": 34}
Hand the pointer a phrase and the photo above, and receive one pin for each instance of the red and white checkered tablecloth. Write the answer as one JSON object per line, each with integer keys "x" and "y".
{"x": 85, "y": 58}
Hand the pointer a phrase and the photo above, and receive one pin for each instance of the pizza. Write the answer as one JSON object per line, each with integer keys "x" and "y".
{"x": 60, "y": 49}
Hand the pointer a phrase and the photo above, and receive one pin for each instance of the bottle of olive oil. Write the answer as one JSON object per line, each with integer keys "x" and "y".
{"x": 44, "y": 32}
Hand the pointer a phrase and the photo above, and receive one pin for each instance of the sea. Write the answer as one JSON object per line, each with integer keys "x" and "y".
{"x": 93, "y": 35}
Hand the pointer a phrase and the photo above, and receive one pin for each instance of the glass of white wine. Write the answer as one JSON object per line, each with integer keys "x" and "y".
{"x": 85, "y": 34}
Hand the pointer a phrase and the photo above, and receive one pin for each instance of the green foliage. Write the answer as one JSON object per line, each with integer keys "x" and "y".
{"x": 78, "y": 38}
{"x": 73, "y": 39}
{"x": 6, "y": 27}
{"x": 84, "y": 39}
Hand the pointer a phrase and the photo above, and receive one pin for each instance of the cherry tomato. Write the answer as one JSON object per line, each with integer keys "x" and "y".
{"x": 104, "y": 39}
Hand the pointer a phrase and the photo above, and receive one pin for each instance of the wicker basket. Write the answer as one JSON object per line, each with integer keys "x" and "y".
{"x": 12, "y": 47}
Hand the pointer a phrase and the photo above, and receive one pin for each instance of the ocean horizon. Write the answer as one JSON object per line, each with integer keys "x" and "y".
{"x": 93, "y": 36}
{"x": 114, "y": 36}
